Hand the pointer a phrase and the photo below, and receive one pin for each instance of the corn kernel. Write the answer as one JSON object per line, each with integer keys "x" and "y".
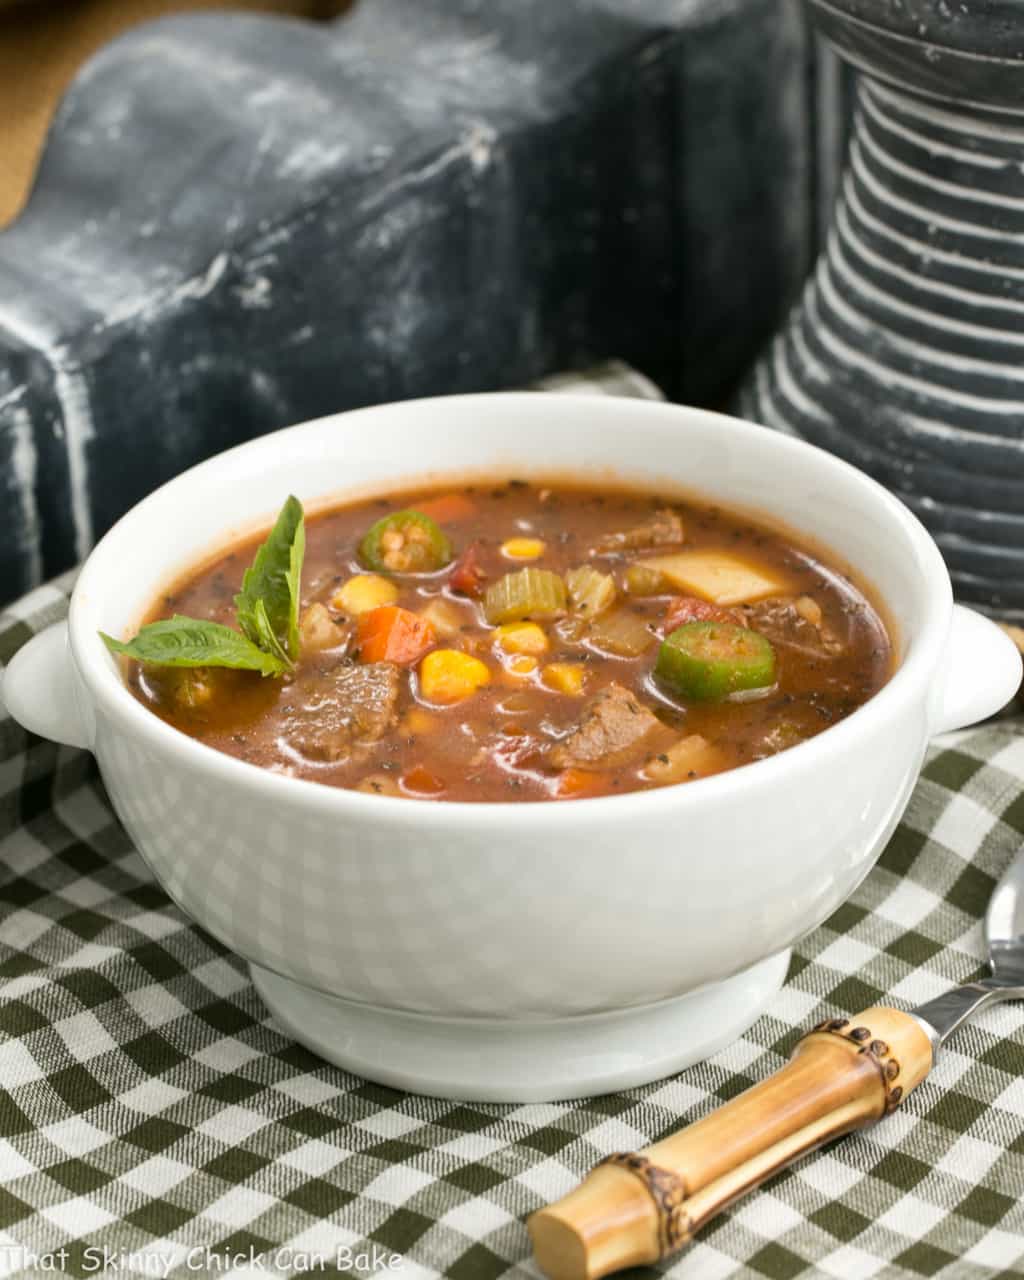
{"x": 364, "y": 592}
{"x": 809, "y": 609}
{"x": 448, "y": 675}
{"x": 523, "y": 548}
{"x": 419, "y": 721}
{"x": 522, "y": 664}
{"x": 564, "y": 677}
{"x": 521, "y": 637}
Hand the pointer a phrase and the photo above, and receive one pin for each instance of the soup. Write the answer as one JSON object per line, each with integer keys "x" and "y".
{"x": 517, "y": 641}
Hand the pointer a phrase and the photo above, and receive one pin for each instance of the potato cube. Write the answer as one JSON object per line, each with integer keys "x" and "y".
{"x": 691, "y": 757}
{"x": 718, "y": 576}
{"x": 446, "y": 618}
{"x": 318, "y": 630}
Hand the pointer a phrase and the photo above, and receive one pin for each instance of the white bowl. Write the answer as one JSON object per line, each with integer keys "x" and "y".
{"x": 504, "y": 951}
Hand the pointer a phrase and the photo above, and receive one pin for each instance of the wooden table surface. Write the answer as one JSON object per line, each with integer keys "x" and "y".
{"x": 44, "y": 42}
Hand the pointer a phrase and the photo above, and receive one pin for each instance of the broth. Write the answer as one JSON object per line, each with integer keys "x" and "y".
{"x": 562, "y": 705}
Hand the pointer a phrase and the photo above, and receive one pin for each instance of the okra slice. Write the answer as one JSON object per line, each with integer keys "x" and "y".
{"x": 405, "y": 542}
{"x": 707, "y": 661}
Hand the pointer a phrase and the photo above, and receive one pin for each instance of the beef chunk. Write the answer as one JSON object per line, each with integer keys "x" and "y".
{"x": 780, "y": 620}
{"x": 665, "y": 529}
{"x": 615, "y": 727}
{"x": 335, "y": 711}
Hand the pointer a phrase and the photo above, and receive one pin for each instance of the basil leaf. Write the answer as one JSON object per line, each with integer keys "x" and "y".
{"x": 190, "y": 642}
{"x": 267, "y": 611}
{"x": 273, "y": 582}
{"x": 263, "y": 634}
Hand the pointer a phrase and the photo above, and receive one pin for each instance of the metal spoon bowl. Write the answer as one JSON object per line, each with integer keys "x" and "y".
{"x": 1004, "y": 936}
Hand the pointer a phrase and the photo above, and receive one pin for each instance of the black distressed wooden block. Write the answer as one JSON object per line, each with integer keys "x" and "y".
{"x": 242, "y": 222}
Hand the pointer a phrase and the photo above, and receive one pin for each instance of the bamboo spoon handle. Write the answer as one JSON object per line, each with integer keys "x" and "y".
{"x": 634, "y": 1209}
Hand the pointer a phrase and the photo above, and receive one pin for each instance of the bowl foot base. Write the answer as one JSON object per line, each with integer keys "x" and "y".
{"x": 484, "y": 1060}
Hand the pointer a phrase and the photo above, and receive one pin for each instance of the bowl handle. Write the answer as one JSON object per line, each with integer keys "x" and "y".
{"x": 981, "y": 672}
{"x": 40, "y": 689}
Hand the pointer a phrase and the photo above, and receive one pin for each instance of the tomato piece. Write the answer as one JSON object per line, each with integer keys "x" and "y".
{"x": 392, "y": 634}
{"x": 449, "y": 508}
{"x": 518, "y": 750}
{"x": 468, "y": 577}
{"x": 684, "y": 609}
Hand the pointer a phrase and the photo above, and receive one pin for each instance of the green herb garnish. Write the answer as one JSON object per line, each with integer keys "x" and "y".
{"x": 189, "y": 642}
{"x": 267, "y": 611}
{"x": 268, "y": 604}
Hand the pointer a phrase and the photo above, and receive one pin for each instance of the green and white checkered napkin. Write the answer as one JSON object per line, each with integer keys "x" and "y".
{"x": 150, "y": 1111}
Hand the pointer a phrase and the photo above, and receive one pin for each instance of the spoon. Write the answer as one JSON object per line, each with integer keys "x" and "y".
{"x": 845, "y": 1074}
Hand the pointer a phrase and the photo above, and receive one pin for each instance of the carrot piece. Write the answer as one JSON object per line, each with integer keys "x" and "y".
{"x": 450, "y": 508}
{"x": 420, "y": 780}
{"x": 575, "y": 784}
{"x": 684, "y": 609}
{"x": 392, "y": 634}
{"x": 467, "y": 577}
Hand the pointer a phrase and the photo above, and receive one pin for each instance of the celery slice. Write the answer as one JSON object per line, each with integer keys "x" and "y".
{"x": 530, "y": 593}
{"x": 590, "y": 591}
{"x": 641, "y": 580}
{"x": 622, "y": 633}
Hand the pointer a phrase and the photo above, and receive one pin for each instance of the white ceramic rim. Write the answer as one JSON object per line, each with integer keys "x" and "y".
{"x": 909, "y": 682}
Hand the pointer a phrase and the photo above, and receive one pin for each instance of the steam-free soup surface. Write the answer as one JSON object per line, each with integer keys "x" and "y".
{"x": 443, "y": 684}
